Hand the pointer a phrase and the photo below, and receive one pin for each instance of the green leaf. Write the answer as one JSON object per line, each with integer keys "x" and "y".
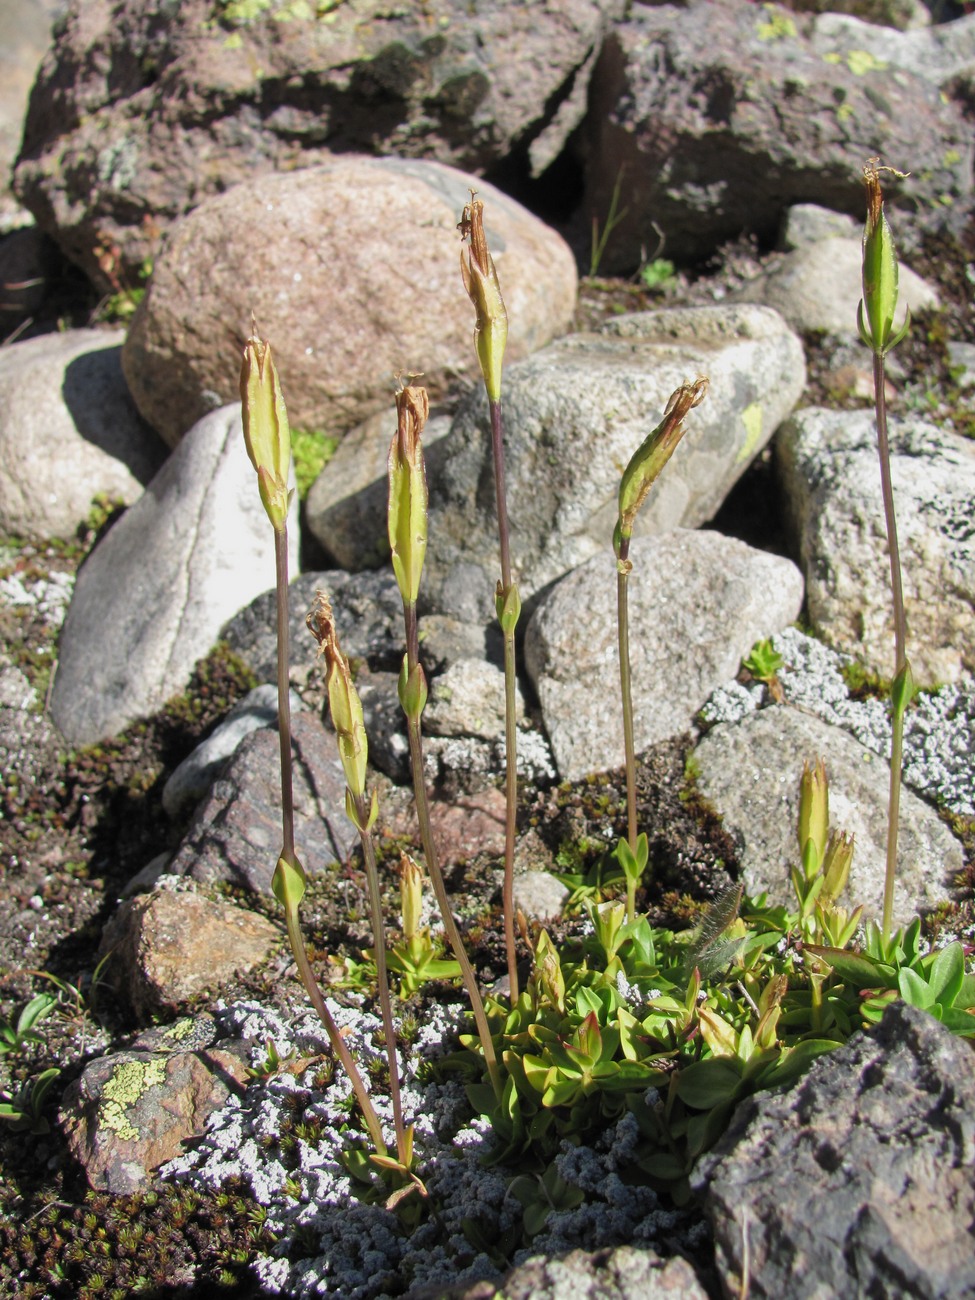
{"x": 947, "y": 974}
{"x": 914, "y": 990}
{"x": 665, "y": 1166}
{"x": 709, "y": 1083}
{"x": 857, "y": 969}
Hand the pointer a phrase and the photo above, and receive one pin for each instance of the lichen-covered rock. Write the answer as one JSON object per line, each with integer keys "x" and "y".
{"x": 698, "y": 601}
{"x": 828, "y": 466}
{"x": 613, "y": 1273}
{"x": 857, "y": 1181}
{"x": 130, "y": 1112}
{"x": 143, "y": 109}
{"x": 713, "y": 118}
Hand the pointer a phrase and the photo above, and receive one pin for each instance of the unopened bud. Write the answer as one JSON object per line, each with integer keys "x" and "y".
{"x": 267, "y": 434}
{"x": 650, "y": 458}
{"x": 836, "y": 865}
{"x": 411, "y": 895}
{"x": 813, "y": 828}
{"x": 412, "y": 689}
{"x": 343, "y": 699}
{"x": 484, "y": 290}
{"x": 875, "y": 314}
{"x": 407, "y": 508}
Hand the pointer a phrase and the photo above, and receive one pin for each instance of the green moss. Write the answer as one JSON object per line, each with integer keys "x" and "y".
{"x": 312, "y": 450}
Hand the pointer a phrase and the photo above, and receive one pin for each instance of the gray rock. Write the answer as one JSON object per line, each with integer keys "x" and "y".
{"x": 750, "y": 772}
{"x": 539, "y": 895}
{"x": 943, "y": 54}
{"x": 69, "y": 432}
{"x": 716, "y": 116}
{"x": 382, "y": 713}
{"x": 445, "y": 640}
{"x": 396, "y": 284}
{"x": 808, "y": 223}
{"x": 859, "y": 1180}
{"x": 346, "y": 507}
{"x": 204, "y": 104}
{"x": 469, "y": 700}
{"x": 574, "y": 414}
{"x": 25, "y": 33}
{"x": 613, "y": 1273}
{"x": 154, "y": 593}
{"x": 698, "y": 601}
{"x": 194, "y": 776}
{"x": 235, "y": 834}
{"x": 456, "y": 762}
{"x": 368, "y": 615}
{"x": 818, "y": 287}
{"x": 830, "y": 474}
{"x": 962, "y": 358}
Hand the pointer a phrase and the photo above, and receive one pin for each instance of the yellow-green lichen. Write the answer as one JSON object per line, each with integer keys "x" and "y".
{"x": 130, "y": 1081}
{"x": 862, "y": 61}
{"x": 180, "y": 1029}
{"x": 751, "y": 418}
{"x": 776, "y": 26}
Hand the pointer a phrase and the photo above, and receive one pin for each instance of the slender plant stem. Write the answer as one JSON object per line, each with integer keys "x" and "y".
{"x": 510, "y": 715}
{"x": 623, "y": 633}
{"x": 284, "y": 696}
{"x": 497, "y": 446}
{"x": 334, "y": 1036}
{"x": 433, "y": 866}
{"x": 511, "y": 813}
{"x": 382, "y": 977}
{"x": 900, "y": 641}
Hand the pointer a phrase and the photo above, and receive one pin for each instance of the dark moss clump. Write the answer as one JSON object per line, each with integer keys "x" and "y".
{"x": 175, "y": 1242}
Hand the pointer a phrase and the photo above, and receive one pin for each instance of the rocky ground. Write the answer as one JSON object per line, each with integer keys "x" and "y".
{"x": 78, "y": 826}
{"x": 122, "y": 965}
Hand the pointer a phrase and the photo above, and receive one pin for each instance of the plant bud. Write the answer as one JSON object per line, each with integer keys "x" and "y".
{"x": 608, "y": 919}
{"x": 813, "y": 830}
{"x": 650, "y": 458}
{"x": 412, "y": 689}
{"x": 267, "y": 434}
{"x": 836, "y": 865}
{"x": 903, "y": 688}
{"x": 343, "y": 699}
{"x": 411, "y": 895}
{"x": 288, "y": 883}
{"x": 483, "y": 289}
{"x": 407, "y": 508}
{"x": 875, "y": 314}
{"x": 508, "y": 606}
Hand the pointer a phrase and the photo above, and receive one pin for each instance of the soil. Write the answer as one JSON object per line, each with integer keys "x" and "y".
{"x": 77, "y": 826}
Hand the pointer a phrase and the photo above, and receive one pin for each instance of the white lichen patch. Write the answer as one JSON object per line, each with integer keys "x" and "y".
{"x": 341, "y": 1247}
{"x": 939, "y": 731}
